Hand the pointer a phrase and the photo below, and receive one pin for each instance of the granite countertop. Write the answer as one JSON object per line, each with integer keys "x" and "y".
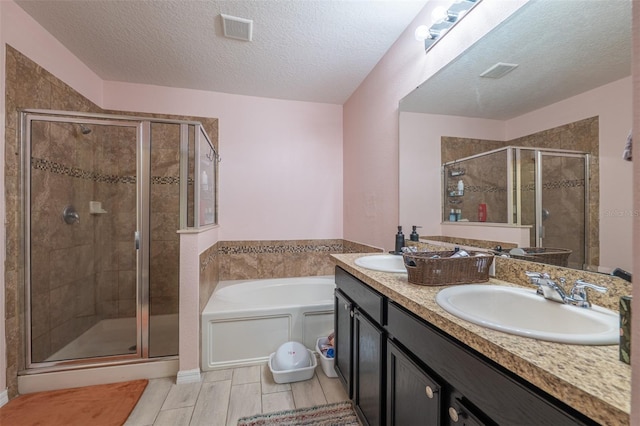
{"x": 590, "y": 379}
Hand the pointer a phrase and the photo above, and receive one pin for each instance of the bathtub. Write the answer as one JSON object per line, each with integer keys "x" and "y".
{"x": 246, "y": 320}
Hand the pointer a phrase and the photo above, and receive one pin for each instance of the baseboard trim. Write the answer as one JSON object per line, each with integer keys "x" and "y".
{"x": 97, "y": 375}
{"x": 188, "y": 376}
{"x": 4, "y": 397}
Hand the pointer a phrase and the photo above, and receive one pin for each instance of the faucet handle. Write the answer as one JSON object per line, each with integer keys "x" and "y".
{"x": 579, "y": 292}
{"x": 535, "y": 277}
{"x": 581, "y": 285}
{"x": 537, "y": 274}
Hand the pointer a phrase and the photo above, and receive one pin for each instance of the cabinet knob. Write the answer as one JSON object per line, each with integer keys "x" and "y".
{"x": 351, "y": 313}
{"x": 454, "y": 414}
{"x": 430, "y": 392}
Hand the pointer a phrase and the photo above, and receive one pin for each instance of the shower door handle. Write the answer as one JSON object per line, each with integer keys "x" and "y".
{"x": 137, "y": 239}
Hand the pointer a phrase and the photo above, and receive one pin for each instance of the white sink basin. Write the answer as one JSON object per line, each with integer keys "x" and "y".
{"x": 382, "y": 262}
{"x": 522, "y": 312}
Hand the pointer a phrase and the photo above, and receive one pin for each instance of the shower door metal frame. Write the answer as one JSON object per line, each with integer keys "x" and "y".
{"x": 143, "y": 147}
{"x": 26, "y": 117}
{"x": 539, "y": 154}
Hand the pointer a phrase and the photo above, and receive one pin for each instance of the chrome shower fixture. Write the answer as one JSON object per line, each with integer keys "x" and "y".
{"x": 84, "y": 129}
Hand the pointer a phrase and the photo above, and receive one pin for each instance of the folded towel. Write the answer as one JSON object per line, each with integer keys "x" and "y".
{"x": 626, "y": 155}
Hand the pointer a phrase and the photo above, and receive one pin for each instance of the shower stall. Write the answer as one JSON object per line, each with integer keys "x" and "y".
{"x": 103, "y": 198}
{"x": 545, "y": 189}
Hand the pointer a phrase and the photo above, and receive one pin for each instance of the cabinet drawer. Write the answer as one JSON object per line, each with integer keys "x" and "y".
{"x": 501, "y": 395}
{"x": 370, "y": 301}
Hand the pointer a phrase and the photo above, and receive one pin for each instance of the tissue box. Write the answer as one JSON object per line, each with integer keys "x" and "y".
{"x": 327, "y": 364}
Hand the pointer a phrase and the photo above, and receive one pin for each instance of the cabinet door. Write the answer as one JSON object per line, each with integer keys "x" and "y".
{"x": 343, "y": 328}
{"x": 368, "y": 369}
{"x": 413, "y": 397}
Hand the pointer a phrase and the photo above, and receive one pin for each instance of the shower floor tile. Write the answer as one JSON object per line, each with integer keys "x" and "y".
{"x": 118, "y": 337}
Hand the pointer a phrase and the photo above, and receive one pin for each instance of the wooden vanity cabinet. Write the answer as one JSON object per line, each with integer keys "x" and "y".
{"x": 477, "y": 390}
{"x": 343, "y": 340}
{"x": 359, "y": 345}
{"x": 368, "y": 368}
{"x": 400, "y": 370}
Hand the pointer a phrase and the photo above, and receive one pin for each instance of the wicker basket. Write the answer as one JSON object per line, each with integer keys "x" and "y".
{"x": 552, "y": 256}
{"x": 423, "y": 269}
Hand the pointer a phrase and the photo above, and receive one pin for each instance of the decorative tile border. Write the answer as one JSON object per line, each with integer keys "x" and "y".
{"x": 559, "y": 184}
{"x": 76, "y": 172}
{"x": 282, "y": 248}
{"x": 569, "y": 183}
{"x": 484, "y": 189}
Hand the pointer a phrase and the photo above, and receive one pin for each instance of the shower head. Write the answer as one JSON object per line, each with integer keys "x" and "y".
{"x": 84, "y": 129}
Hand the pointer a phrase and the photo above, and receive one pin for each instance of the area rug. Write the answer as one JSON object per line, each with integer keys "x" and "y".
{"x": 100, "y": 405}
{"x": 337, "y": 414}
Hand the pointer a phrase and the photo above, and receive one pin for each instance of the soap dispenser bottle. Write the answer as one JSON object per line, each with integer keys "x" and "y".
{"x": 414, "y": 234}
{"x": 399, "y": 241}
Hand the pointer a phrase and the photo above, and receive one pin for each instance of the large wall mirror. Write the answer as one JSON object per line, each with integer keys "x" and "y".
{"x": 569, "y": 93}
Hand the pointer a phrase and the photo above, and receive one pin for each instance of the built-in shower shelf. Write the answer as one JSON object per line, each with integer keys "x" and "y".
{"x": 95, "y": 207}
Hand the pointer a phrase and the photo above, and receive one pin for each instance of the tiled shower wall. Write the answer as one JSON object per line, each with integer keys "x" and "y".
{"x": 30, "y": 86}
{"x": 27, "y": 86}
{"x": 164, "y": 264}
{"x": 239, "y": 260}
{"x": 485, "y": 181}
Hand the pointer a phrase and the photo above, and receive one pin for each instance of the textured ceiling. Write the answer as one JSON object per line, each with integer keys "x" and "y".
{"x": 563, "y": 48}
{"x": 311, "y": 50}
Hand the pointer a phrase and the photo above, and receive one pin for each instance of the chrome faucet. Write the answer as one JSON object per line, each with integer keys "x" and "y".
{"x": 552, "y": 291}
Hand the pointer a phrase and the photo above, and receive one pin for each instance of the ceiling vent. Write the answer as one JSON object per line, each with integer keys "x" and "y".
{"x": 499, "y": 70}
{"x": 238, "y": 28}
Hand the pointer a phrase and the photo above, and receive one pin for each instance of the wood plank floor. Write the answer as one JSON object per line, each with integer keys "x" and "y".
{"x": 223, "y": 396}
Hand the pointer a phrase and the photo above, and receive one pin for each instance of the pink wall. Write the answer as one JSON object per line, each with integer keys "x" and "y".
{"x": 371, "y": 198}
{"x": 281, "y": 170}
{"x": 635, "y": 327}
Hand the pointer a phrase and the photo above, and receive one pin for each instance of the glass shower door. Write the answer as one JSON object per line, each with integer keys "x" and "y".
{"x": 562, "y": 212}
{"x": 81, "y": 258}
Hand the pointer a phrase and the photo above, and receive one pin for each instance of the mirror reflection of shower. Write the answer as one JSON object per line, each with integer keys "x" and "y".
{"x": 520, "y": 186}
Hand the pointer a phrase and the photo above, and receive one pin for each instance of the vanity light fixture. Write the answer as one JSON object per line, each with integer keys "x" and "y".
{"x": 443, "y": 22}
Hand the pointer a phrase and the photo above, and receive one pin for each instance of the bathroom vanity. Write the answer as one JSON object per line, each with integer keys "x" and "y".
{"x": 404, "y": 360}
